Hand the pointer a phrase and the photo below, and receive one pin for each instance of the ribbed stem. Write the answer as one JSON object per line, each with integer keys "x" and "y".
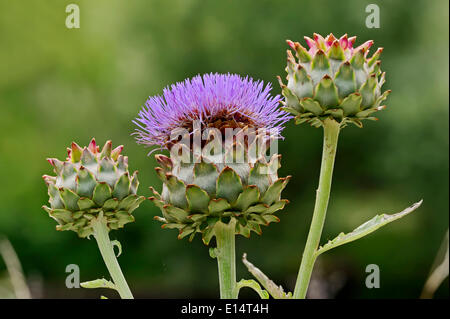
{"x": 226, "y": 258}
{"x": 107, "y": 251}
{"x": 330, "y": 140}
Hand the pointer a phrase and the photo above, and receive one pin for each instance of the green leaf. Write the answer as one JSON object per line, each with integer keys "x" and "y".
{"x": 107, "y": 172}
{"x": 62, "y": 214}
{"x": 311, "y": 106}
{"x": 110, "y": 204}
{"x": 320, "y": 66}
{"x": 326, "y": 93}
{"x": 98, "y": 283}
{"x": 205, "y": 176}
{"x": 258, "y": 176}
{"x": 345, "y": 80}
{"x": 102, "y": 192}
{"x": 248, "y": 197}
{"x": 176, "y": 213}
{"x": 229, "y": 185}
{"x": 351, "y": 104}
{"x": 217, "y": 206}
{"x": 367, "y": 92}
{"x": 275, "y": 291}
{"x": 177, "y": 191}
{"x": 122, "y": 187}
{"x": 85, "y": 182}
{"x": 274, "y": 191}
{"x": 70, "y": 199}
{"x": 250, "y": 283}
{"x": 300, "y": 83}
{"x": 366, "y": 228}
{"x": 85, "y": 203}
{"x": 197, "y": 198}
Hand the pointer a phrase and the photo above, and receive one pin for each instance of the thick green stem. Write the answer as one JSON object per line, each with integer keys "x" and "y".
{"x": 107, "y": 251}
{"x": 226, "y": 258}
{"x": 331, "y": 134}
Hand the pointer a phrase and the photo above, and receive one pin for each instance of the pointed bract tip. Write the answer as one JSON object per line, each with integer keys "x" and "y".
{"x": 93, "y": 146}
{"x": 291, "y": 44}
{"x": 310, "y": 42}
{"x": 352, "y": 40}
{"x": 343, "y": 41}
{"x": 280, "y": 81}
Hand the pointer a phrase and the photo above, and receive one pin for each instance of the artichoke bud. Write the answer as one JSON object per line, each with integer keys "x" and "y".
{"x": 237, "y": 182}
{"x": 92, "y": 182}
{"x": 333, "y": 79}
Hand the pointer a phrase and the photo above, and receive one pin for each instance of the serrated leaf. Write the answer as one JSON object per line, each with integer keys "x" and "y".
{"x": 250, "y": 283}
{"x": 277, "y": 292}
{"x": 366, "y": 228}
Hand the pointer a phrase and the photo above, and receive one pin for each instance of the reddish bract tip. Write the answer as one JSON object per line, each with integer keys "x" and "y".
{"x": 93, "y": 146}
{"x": 116, "y": 152}
{"x": 291, "y": 44}
{"x": 352, "y": 40}
{"x": 330, "y": 39}
{"x": 343, "y": 41}
{"x": 310, "y": 42}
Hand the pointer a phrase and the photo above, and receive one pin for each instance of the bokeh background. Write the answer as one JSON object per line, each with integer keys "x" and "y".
{"x": 58, "y": 85}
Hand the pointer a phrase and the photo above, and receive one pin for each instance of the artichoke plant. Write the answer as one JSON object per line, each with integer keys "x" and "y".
{"x": 217, "y": 181}
{"x": 91, "y": 194}
{"x": 333, "y": 79}
{"x": 88, "y": 182}
{"x": 216, "y": 187}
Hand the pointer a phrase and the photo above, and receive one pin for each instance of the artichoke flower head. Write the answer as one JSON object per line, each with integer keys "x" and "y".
{"x": 217, "y": 129}
{"x": 92, "y": 182}
{"x": 333, "y": 79}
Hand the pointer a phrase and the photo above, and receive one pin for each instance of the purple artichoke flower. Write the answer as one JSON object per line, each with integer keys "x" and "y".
{"x": 218, "y": 100}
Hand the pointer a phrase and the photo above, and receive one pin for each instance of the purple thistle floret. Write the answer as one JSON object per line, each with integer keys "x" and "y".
{"x": 206, "y": 98}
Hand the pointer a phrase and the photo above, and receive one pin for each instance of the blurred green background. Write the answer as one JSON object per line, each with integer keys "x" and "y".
{"x": 58, "y": 85}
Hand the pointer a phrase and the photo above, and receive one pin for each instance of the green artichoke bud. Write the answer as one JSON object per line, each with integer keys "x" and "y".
{"x": 196, "y": 196}
{"x": 333, "y": 79}
{"x": 92, "y": 182}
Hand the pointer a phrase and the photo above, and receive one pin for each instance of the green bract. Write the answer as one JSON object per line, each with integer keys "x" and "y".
{"x": 333, "y": 79}
{"x": 90, "y": 182}
{"x": 196, "y": 196}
